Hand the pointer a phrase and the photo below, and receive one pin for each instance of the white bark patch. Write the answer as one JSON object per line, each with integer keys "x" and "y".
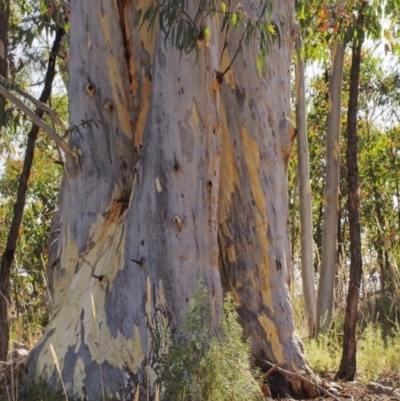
{"x": 106, "y": 29}
{"x": 336, "y": 150}
{"x": 148, "y": 307}
{"x": 309, "y": 190}
{"x": 2, "y": 50}
{"x": 195, "y": 115}
{"x": 158, "y": 185}
{"x": 338, "y": 200}
{"x": 89, "y": 42}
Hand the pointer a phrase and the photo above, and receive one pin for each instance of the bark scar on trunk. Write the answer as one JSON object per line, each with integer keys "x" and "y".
{"x": 128, "y": 54}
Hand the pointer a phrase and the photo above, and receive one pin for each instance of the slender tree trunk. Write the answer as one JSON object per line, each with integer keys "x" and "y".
{"x": 332, "y": 192}
{"x": 9, "y": 251}
{"x": 306, "y": 231}
{"x": 347, "y": 369}
{"x": 185, "y": 178}
{"x": 379, "y": 243}
{"x": 4, "y": 25}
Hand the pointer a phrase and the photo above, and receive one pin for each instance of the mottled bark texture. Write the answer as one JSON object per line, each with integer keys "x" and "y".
{"x": 348, "y": 364}
{"x": 183, "y": 179}
{"x": 12, "y": 238}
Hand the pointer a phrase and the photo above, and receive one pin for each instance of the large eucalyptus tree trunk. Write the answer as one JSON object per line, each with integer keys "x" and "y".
{"x": 184, "y": 178}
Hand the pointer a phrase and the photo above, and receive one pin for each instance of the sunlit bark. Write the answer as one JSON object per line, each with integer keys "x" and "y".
{"x": 181, "y": 177}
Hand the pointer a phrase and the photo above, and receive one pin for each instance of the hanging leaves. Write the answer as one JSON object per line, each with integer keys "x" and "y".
{"x": 186, "y": 30}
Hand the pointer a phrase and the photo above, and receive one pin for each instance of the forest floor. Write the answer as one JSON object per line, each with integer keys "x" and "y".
{"x": 386, "y": 390}
{"x": 357, "y": 391}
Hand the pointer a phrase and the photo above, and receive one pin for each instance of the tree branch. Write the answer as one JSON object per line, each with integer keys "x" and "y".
{"x": 40, "y": 105}
{"x": 39, "y": 123}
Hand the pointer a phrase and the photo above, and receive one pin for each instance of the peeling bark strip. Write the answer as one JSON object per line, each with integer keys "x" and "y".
{"x": 181, "y": 181}
{"x": 9, "y": 251}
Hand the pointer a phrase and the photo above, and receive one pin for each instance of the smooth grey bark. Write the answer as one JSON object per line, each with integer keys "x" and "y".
{"x": 185, "y": 178}
{"x": 332, "y": 192}
{"x": 305, "y": 195}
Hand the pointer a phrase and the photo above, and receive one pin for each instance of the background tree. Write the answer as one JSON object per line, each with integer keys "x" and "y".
{"x": 22, "y": 60}
{"x": 331, "y": 193}
{"x": 9, "y": 251}
{"x": 4, "y": 23}
{"x": 305, "y": 201}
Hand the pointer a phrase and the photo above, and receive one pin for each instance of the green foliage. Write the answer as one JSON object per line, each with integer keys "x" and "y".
{"x": 184, "y": 25}
{"x": 323, "y": 353}
{"x": 36, "y": 389}
{"x": 32, "y": 26}
{"x": 377, "y": 356}
{"x": 28, "y": 285}
{"x": 371, "y": 353}
{"x": 204, "y": 364}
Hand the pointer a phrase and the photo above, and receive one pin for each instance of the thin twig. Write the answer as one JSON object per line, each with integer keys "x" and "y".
{"x": 38, "y": 122}
{"x": 236, "y": 53}
{"x": 286, "y": 372}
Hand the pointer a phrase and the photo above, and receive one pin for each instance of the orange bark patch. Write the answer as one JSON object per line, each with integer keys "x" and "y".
{"x": 228, "y": 171}
{"x": 252, "y": 157}
{"x": 119, "y": 96}
{"x": 272, "y": 336}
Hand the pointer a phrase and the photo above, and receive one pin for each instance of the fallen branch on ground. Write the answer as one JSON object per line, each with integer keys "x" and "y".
{"x": 286, "y": 372}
